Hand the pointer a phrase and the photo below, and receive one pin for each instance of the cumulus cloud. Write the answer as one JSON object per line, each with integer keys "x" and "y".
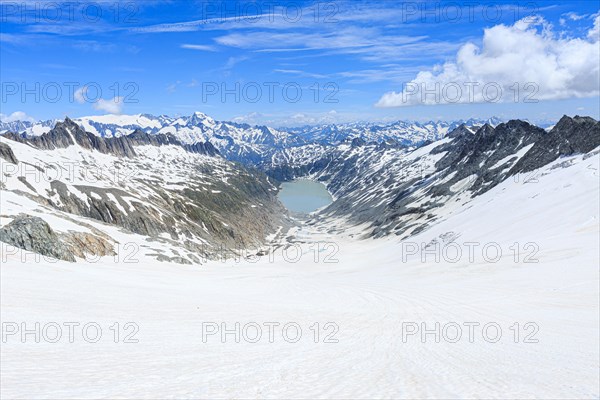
{"x": 16, "y": 116}
{"x": 80, "y": 95}
{"x": 526, "y": 61}
{"x": 594, "y": 33}
{"x": 112, "y": 106}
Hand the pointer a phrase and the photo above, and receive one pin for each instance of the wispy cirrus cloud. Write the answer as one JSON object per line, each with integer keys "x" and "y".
{"x": 367, "y": 43}
{"x": 384, "y": 73}
{"x": 15, "y": 39}
{"x": 300, "y": 73}
{"x": 200, "y": 47}
{"x": 223, "y": 23}
{"x": 93, "y": 45}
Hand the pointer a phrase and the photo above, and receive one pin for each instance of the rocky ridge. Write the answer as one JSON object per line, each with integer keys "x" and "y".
{"x": 403, "y": 191}
{"x": 198, "y": 201}
{"x": 150, "y": 185}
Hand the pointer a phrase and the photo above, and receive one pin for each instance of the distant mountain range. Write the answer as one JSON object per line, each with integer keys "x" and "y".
{"x": 248, "y": 143}
{"x": 185, "y": 195}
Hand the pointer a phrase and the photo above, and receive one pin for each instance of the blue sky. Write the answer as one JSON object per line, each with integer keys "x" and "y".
{"x": 296, "y": 62}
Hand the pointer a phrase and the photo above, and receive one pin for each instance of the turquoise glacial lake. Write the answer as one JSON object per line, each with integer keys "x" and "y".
{"x": 304, "y": 196}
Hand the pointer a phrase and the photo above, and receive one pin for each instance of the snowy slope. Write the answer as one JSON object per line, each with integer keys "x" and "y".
{"x": 190, "y": 201}
{"x": 368, "y": 295}
{"x": 464, "y": 268}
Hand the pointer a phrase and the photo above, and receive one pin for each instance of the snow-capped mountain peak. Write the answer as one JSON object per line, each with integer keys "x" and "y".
{"x": 256, "y": 144}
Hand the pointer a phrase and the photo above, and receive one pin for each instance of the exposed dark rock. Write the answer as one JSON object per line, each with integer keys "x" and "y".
{"x": 7, "y": 154}
{"x": 369, "y": 192}
{"x": 357, "y": 141}
{"x": 34, "y": 234}
{"x": 569, "y": 136}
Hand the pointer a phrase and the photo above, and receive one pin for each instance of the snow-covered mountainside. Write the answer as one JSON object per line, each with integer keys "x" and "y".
{"x": 479, "y": 277}
{"x": 403, "y": 191}
{"x": 251, "y": 144}
{"x": 127, "y": 207}
{"x": 183, "y": 190}
{"x": 183, "y": 196}
{"x": 405, "y": 133}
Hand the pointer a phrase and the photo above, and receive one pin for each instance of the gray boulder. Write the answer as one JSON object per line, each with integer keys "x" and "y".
{"x": 34, "y": 234}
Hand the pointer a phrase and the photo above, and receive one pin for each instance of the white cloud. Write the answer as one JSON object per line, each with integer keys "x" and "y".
{"x": 297, "y": 118}
{"x": 329, "y": 117}
{"x": 367, "y": 43}
{"x": 114, "y": 106}
{"x": 594, "y": 33}
{"x": 253, "y": 118}
{"x": 80, "y": 94}
{"x": 94, "y": 46}
{"x": 10, "y": 38}
{"x": 16, "y": 116}
{"x": 201, "y": 47}
{"x": 526, "y": 53}
{"x": 573, "y": 16}
{"x": 172, "y": 88}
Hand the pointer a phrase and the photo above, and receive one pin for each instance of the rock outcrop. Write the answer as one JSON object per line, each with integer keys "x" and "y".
{"x": 7, "y": 154}
{"x": 34, "y": 234}
{"x": 569, "y": 136}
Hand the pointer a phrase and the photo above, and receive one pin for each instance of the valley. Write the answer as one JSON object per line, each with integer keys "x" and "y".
{"x": 299, "y": 200}
{"x": 391, "y": 290}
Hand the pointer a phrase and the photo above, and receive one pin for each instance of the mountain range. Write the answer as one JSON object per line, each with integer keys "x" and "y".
{"x": 193, "y": 186}
{"x": 247, "y": 143}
